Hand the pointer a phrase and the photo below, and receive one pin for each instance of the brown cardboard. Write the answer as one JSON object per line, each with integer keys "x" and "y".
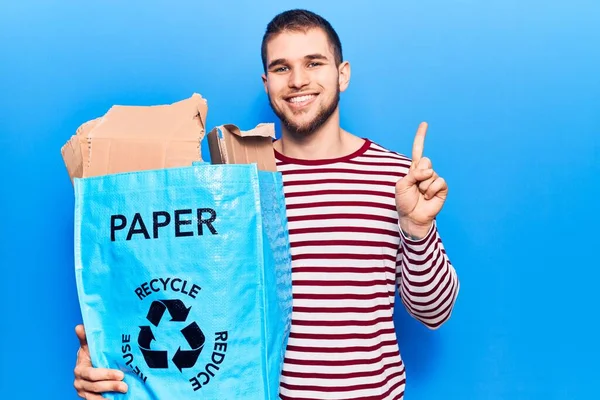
{"x": 75, "y": 152}
{"x": 71, "y": 154}
{"x": 230, "y": 145}
{"x": 135, "y": 138}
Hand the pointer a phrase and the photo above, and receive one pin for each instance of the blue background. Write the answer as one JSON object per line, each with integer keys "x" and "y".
{"x": 511, "y": 90}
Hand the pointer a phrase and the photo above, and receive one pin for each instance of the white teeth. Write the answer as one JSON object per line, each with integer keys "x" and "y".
{"x": 300, "y": 99}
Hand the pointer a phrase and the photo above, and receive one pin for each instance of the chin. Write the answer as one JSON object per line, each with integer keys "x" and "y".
{"x": 305, "y": 122}
{"x": 300, "y": 123}
{"x": 306, "y": 128}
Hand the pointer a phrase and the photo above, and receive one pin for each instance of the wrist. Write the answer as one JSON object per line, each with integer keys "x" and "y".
{"x": 413, "y": 230}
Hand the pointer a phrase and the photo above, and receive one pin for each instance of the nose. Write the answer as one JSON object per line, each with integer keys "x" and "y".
{"x": 298, "y": 78}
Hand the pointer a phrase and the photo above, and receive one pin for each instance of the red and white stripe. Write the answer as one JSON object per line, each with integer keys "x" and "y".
{"x": 348, "y": 259}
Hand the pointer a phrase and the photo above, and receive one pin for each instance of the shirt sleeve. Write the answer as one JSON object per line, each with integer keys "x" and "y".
{"x": 427, "y": 282}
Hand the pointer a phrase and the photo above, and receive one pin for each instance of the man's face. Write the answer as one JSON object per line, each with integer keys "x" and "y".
{"x": 303, "y": 81}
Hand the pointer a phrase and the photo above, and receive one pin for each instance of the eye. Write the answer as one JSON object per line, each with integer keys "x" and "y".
{"x": 314, "y": 64}
{"x": 280, "y": 69}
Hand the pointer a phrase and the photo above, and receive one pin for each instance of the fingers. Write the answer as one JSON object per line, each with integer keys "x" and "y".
{"x": 428, "y": 182}
{"x": 419, "y": 144}
{"x": 419, "y": 172}
{"x": 90, "y": 381}
{"x": 414, "y": 176}
{"x": 424, "y": 163}
{"x": 432, "y": 185}
{"x": 422, "y": 175}
{"x": 98, "y": 374}
{"x": 437, "y": 186}
{"x": 424, "y": 184}
{"x": 86, "y": 389}
{"x": 104, "y": 386}
{"x": 426, "y": 177}
{"x": 90, "y": 396}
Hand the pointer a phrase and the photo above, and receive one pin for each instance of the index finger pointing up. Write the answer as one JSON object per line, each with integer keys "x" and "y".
{"x": 419, "y": 143}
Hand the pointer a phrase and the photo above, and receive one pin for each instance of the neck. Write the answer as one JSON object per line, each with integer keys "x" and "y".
{"x": 328, "y": 141}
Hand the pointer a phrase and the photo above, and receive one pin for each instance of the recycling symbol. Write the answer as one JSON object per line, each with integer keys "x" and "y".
{"x": 192, "y": 334}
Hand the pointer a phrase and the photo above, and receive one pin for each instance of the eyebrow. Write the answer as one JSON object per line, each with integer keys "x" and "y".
{"x": 315, "y": 56}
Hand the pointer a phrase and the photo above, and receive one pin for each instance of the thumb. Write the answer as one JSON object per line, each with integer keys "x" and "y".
{"x": 415, "y": 175}
{"x": 83, "y": 354}
{"x": 80, "y": 332}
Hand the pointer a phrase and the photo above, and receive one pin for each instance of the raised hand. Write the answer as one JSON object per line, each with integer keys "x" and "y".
{"x": 420, "y": 195}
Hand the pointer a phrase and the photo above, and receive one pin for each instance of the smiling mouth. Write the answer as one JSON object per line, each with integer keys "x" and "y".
{"x": 301, "y": 101}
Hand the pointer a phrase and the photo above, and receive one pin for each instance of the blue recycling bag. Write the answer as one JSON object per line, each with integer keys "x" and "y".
{"x": 184, "y": 280}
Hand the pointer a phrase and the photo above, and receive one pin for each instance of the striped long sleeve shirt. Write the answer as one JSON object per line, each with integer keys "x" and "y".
{"x": 349, "y": 257}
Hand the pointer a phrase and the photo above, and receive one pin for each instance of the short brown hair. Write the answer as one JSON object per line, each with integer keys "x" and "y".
{"x": 300, "y": 20}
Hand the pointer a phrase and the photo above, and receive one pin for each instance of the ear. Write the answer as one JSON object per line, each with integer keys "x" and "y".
{"x": 344, "y": 75}
{"x": 264, "y": 80}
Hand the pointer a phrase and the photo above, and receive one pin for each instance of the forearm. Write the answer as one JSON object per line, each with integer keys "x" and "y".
{"x": 428, "y": 282}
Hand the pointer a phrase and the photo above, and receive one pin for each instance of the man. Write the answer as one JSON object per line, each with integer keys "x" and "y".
{"x": 362, "y": 225}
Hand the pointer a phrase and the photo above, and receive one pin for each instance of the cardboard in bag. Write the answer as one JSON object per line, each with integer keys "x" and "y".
{"x": 136, "y": 138}
{"x": 76, "y": 150}
{"x": 230, "y": 145}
